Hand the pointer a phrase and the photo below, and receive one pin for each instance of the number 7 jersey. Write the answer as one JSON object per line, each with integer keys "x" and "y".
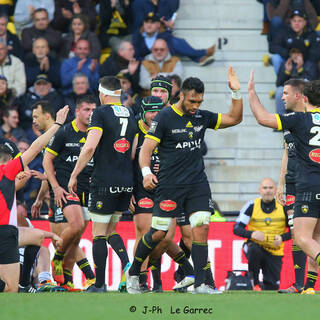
{"x": 305, "y": 129}
{"x": 112, "y": 158}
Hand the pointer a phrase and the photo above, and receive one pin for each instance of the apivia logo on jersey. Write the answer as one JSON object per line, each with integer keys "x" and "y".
{"x": 189, "y": 144}
{"x": 75, "y": 159}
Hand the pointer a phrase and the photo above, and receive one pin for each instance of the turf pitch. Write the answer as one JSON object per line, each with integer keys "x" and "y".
{"x": 117, "y": 306}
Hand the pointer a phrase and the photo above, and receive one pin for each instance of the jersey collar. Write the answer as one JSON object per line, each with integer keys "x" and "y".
{"x": 74, "y": 126}
{"x": 315, "y": 110}
{"x": 176, "y": 110}
{"x": 141, "y": 127}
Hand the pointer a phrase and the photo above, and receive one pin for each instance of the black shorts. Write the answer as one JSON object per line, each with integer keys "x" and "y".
{"x": 290, "y": 196}
{"x": 107, "y": 200}
{"x": 183, "y": 220}
{"x": 144, "y": 200}
{"x": 174, "y": 202}
{"x": 9, "y": 248}
{"x": 307, "y": 205}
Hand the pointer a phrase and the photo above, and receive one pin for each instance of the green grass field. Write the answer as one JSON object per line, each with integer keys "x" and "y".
{"x": 117, "y": 306}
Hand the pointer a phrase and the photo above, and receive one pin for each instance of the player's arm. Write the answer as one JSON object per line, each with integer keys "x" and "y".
{"x": 234, "y": 116}
{"x": 149, "y": 179}
{"x": 134, "y": 146}
{"x": 43, "y": 140}
{"x": 261, "y": 114}
{"x": 283, "y": 172}
{"x": 93, "y": 138}
{"x": 35, "y": 209}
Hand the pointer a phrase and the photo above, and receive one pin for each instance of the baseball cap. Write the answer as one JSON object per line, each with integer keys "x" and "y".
{"x": 151, "y": 16}
{"x": 42, "y": 77}
{"x": 299, "y": 13}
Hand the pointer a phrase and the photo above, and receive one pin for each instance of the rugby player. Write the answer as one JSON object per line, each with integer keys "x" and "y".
{"x": 9, "y": 255}
{"x": 59, "y": 160}
{"x": 182, "y": 185}
{"x": 110, "y": 139}
{"x": 305, "y": 128}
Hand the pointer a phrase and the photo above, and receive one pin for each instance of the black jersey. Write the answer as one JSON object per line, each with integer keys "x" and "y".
{"x": 305, "y": 129}
{"x": 292, "y": 157}
{"x": 180, "y": 136}
{"x": 11, "y": 146}
{"x": 154, "y": 158}
{"x": 66, "y": 145}
{"x": 112, "y": 158}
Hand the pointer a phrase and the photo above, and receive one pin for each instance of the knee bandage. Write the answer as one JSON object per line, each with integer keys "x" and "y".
{"x": 160, "y": 223}
{"x": 199, "y": 218}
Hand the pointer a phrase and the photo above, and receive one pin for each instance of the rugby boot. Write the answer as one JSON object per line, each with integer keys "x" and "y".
{"x": 185, "y": 283}
{"x": 27, "y": 289}
{"x": 132, "y": 282}
{"x": 291, "y": 289}
{"x": 205, "y": 289}
{"x": 308, "y": 291}
{"x": 94, "y": 289}
{"x": 57, "y": 271}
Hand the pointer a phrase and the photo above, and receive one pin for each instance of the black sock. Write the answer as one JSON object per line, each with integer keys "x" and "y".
{"x": 185, "y": 248}
{"x": 30, "y": 254}
{"x": 100, "y": 254}
{"x": 199, "y": 255}
{"x": 67, "y": 276}
{"x": 85, "y": 268}
{"x": 299, "y": 261}
{"x": 117, "y": 245}
{"x": 2, "y": 285}
{"x": 208, "y": 276}
{"x": 184, "y": 264}
{"x": 156, "y": 272}
{"x": 144, "y": 248}
{"x": 143, "y": 277}
{"x": 311, "y": 279}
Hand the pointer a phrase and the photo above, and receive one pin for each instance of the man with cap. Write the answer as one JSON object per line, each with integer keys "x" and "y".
{"x": 111, "y": 134}
{"x": 296, "y": 35}
{"x": 41, "y": 90}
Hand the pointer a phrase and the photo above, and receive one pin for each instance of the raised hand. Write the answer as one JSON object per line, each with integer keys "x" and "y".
{"x": 233, "y": 81}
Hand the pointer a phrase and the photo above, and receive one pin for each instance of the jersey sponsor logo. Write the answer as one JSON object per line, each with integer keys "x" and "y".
{"x": 145, "y": 203}
{"x": 189, "y": 125}
{"x": 153, "y": 127}
{"x": 122, "y": 145}
{"x": 167, "y": 205}
{"x": 314, "y": 155}
{"x": 82, "y": 140}
{"x": 120, "y": 189}
{"x": 189, "y": 144}
{"x": 197, "y": 128}
{"x": 290, "y": 199}
{"x": 72, "y": 197}
{"x": 316, "y": 118}
{"x": 72, "y": 144}
{"x": 178, "y": 130}
{"x": 75, "y": 159}
{"x": 120, "y": 111}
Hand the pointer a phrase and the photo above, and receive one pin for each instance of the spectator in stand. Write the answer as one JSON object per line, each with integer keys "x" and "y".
{"x": 122, "y": 61}
{"x": 41, "y": 90}
{"x": 115, "y": 18}
{"x": 166, "y": 9}
{"x": 13, "y": 69}
{"x": 143, "y": 42}
{"x": 81, "y": 88}
{"x": 10, "y": 126}
{"x": 24, "y": 12}
{"x": 80, "y": 63}
{"x": 79, "y": 29}
{"x": 41, "y": 29}
{"x": 176, "y": 86}
{"x": 7, "y": 96}
{"x": 293, "y": 68}
{"x": 279, "y": 13}
{"x": 42, "y": 62}
{"x": 296, "y": 35}
{"x": 7, "y": 7}
{"x": 12, "y": 41}
{"x": 160, "y": 61}
{"x": 65, "y": 9}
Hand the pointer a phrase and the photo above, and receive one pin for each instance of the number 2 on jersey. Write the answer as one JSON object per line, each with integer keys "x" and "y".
{"x": 315, "y": 141}
{"x": 124, "y": 125}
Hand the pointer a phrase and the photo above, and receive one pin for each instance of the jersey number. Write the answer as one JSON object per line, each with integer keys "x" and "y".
{"x": 124, "y": 125}
{"x": 315, "y": 141}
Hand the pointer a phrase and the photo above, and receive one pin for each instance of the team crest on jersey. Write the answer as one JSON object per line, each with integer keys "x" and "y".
{"x": 72, "y": 197}
{"x": 82, "y": 140}
{"x": 120, "y": 111}
{"x": 267, "y": 221}
{"x": 122, "y": 145}
{"x": 316, "y": 118}
{"x": 304, "y": 208}
{"x": 190, "y": 134}
{"x": 99, "y": 204}
{"x": 153, "y": 127}
{"x": 189, "y": 125}
{"x": 314, "y": 155}
{"x": 167, "y": 205}
{"x": 290, "y": 199}
{"x": 145, "y": 203}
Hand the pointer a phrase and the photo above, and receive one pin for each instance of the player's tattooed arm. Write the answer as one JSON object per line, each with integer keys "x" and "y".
{"x": 261, "y": 114}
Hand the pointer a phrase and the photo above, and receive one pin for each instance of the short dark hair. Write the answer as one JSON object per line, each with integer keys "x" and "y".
{"x": 46, "y": 107}
{"x": 110, "y": 83}
{"x": 176, "y": 79}
{"x": 40, "y": 10}
{"x": 3, "y": 15}
{"x": 89, "y": 98}
{"x": 193, "y": 83}
{"x": 5, "y": 153}
{"x": 6, "y": 111}
{"x": 312, "y": 92}
{"x": 297, "y": 84}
